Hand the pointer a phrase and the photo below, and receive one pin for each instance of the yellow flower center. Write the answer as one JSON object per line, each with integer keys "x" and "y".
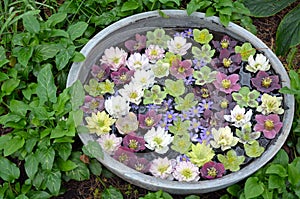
{"x": 178, "y": 45}
{"x": 269, "y": 125}
{"x": 227, "y": 62}
{"x": 226, "y": 83}
{"x": 123, "y": 77}
{"x": 266, "y": 82}
{"x": 239, "y": 117}
{"x": 108, "y": 144}
{"x": 212, "y": 172}
{"x": 181, "y": 69}
{"x": 138, "y": 63}
{"x": 204, "y": 93}
{"x": 224, "y": 43}
{"x": 123, "y": 157}
{"x": 116, "y": 60}
{"x": 158, "y": 140}
{"x": 100, "y": 74}
{"x": 149, "y": 121}
{"x": 94, "y": 105}
{"x": 224, "y": 104}
{"x": 133, "y": 95}
{"x": 187, "y": 173}
{"x": 133, "y": 144}
{"x": 163, "y": 168}
{"x": 154, "y": 52}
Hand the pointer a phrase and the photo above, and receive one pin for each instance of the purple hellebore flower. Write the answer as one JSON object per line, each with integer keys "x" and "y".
{"x": 100, "y": 72}
{"x": 93, "y": 104}
{"x": 265, "y": 82}
{"x": 140, "y": 164}
{"x": 181, "y": 69}
{"x": 227, "y": 84}
{"x": 134, "y": 143}
{"x": 226, "y": 62}
{"x": 149, "y": 120}
{"x": 122, "y": 76}
{"x": 124, "y": 155}
{"x": 225, "y": 43}
{"x": 270, "y": 125}
{"x": 136, "y": 45}
{"x": 211, "y": 170}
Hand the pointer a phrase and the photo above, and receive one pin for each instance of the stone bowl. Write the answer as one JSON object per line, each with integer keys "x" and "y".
{"x": 126, "y": 28}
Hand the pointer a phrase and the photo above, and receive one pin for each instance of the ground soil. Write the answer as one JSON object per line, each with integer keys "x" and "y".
{"x": 92, "y": 188}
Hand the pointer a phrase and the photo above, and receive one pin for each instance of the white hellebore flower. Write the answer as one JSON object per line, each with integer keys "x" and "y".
{"x": 117, "y": 106}
{"x": 270, "y": 104}
{"x": 109, "y": 143}
{"x": 163, "y": 168}
{"x": 143, "y": 78}
{"x": 178, "y": 45}
{"x": 137, "y": 61}
{"x": 186, "y": 171}
{"x": 260, "y": 63}
{"x": 158, "y": 140}
{"x": 238, "y": 116}
{"x": 114, "y": 57}
{"x": 223, "y": 138}
{"x": 132, "y": 92}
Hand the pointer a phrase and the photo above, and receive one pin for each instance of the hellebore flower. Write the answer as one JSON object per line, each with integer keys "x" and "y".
{"x": 181, "y": 143}
{"x": 260, "y": 63}
{"x": 245, "y": 97}
{"x": 163, "y": 168}
{"x": 109, "y": 143}
{"x": 149, "y": 120}
{"x": 140, "y": 164}
{"x": 100, "y": 72}
{"x": 246, "y": 135}
{"x": 178, "y": 45}
{"x": 227, "y": 84}
{"x": 138, "y": 61}
{"x": 132, "y": 92}
{"x": 114, "y": 57}
{"x": 127, "y": 124}
{"x": 205, "y": 53}
{"x": 270, "y": 125}
{"x": 238, "y": 116}
{"x": 93, "y": 104}
{"x": 158, "y": 140}
{"x": 225, "y": 43}
{"x": 144, "y": 78}
{"x": 99, "y": 123}
{"x": 231, "y": 160}
{"x": 154, "y": 53}
{"x": 157, "y": 37}
{"x": 211, "y": 170}
{"x": 270, "y": 104}
{"x": 136, "y": 45}
{"x": 133, "y": 142}
{"x": 186, "y": 171}
{"x": 223, "y": 137}
{"x": 124, "y": 156}
{"x": 161, "y": 69}
{"x": 227, "y": 63}
{"x": 117, "y": 106}
{"x": 122, "y": 76}
{"x": 202, "y": 36}
{"x": 246, "y": 50}
{"x": 204, "y": 76}
{"x": 265, "y": 82}
{"x": 200, "y": 154}
{"x": 181, "y": 69}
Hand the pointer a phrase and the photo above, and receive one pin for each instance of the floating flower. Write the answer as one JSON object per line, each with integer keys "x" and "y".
{"x": 149, "y": 120}
{"x": 93, "y": 88}
{"x": 239, "y": 116}
{"x": 265, "y": 82}
{"x": 175, "y": 88}
{"x": 205, "y": 53}
{"x": 182, "y": 158}
{"x": 93, "y": 104}
{"x": 223, "y": 137}
{"x": 246, "y": 135}
{"x": 204, "y": 76}
{"x": 227, "y": 62}
{"x": 181, "y": 69}
{"x": 138, "y": 61}
{"x": 227, "y": 84}
{"x": 134, "y": 143}
{"x": 270, "y": 125}
{"x": 154, "y": 96}
{"x": 200, "y": 154}
{"x": 140, "y": 164}
{"x": 170, "y": 57}
{"x": 163, "y": 168}
{"x": 117, "y": 106}
{"x": 178, "y": 45}
{"x": 136, "y": 45}
{"x": 183, "y": 104}
{"x": 270, "y": 104}
{"x": 211, "y": 170}
{"x": 114, "y": 57}
{"x": 260, "y": 63}
{"x": 144, "y": 78}
{"x": 154, "y": 53}
{"x": 189, "y": 80}
{"x": 124, "y": 155}
{"x": 195, "y": 125}
{"x": 245, "y": 97}
{"x": 109, "y": 143}
{"x": 202, "y": 36}
{"x": 198, "y": 64}
{"x": 180, "y": 127}
{"x": 122, "y": 76}
{"x": 186, "y": 171}
{"x": 100, "y": 72}
{"x": 132, "y": 92}
{"x": 231, "y": 160}
{"x": 246, "y": 50}
{"x": 157, "y": 37}
{"x": 160, "y": 69}
{"x": 188, "y": 33}
{"x": 225, "y": 43}
{"x": 158, "y": 140}
{"x": 127, "y": 124}
{"x": 171, "y": 115}
{"x": 99, "y": 123}
{"x": 253, "y": 149}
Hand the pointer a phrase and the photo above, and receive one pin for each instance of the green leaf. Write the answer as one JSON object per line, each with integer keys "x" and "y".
{"x": 63, "y": 57}
{"x": 281, "y": 158}
{"x": 9, "y": 171}
{"x": 44, "y": 51}
{"x": 253, "y": 188}
{"x": 38, "y": 195}
{"x": 130, "y": 5}
{"x": 31, "y": 24}
{"x": 93, "y": 150}
{"x": 22, "y": 196}
{"x": 19, "y": 107}
{"x": 9, "y": 86}
{"x": 234, "y": 190}
{"x": 66, "y": 165}
{"x": 225, "y": 19}
{"x": 55, "y": 19}
{"x": 288, "y": 32}
{"x": 95, "y": 167}
{"x": 3, "y": 76}
{"x": 111, "y": 193}
{"x": 177, "y": 2}
{"x": 53, "y": 182}
{"x": 192, "y": 197}
{"x": 76, "y": 30}
{"x": 13, "y": 145}
{"x": 275, "y": 182}
{"x": 78, "y": 57}
{"x": 31, "y": 165}
{"x": 210, "y": 12}
{"x": 24, "y": 54}
{"x": 46, "y": 89}
{"x": 81, "y": 172}
{"x": 77, "y": 95}
{"x": 64, "y": 150}
{"x": 277, "y": 169}
{"x": 294, "y": 172}
{"x": 46, "y": 157}
{"x": 266, "y": 8}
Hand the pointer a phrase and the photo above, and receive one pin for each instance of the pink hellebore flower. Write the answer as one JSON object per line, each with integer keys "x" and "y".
{"x": 140, "y": 164}
{"x": 227, "y": 84}
{"x": 149, "y": 120}
{"x": 270, "y": 125}
{"x": 211, "y": 170}
{"x": 114, "y": 57}
{"x": 100, "y": 72}
{"x": 133, "y": 142}
{"x": 124, "y": 155}
{"x": 122, "y": 76}
{"x": 181, "y": 69}
{"x": 136, "y": 45}
{"x": 265, "y": 82}
{"x": 93, "y": 104}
